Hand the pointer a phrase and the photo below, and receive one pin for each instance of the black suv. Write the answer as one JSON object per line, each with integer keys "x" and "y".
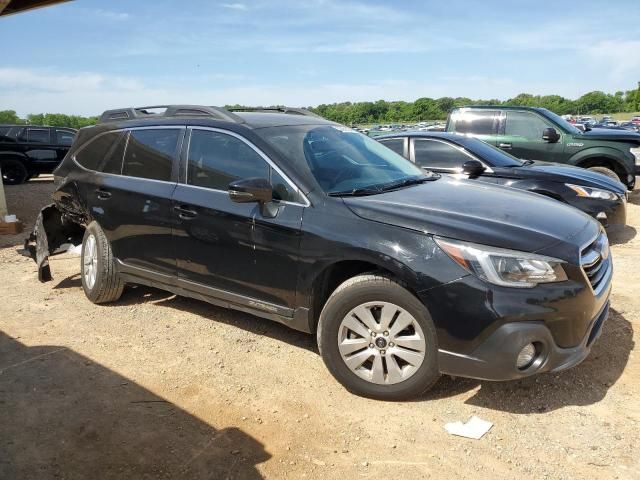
{"x": 26, "y": 151}
{"x": 401, "y": 274}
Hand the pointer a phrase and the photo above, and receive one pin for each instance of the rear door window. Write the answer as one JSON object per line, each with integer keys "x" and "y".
{"x": 38, "y": 135}
{"x": 476, "y": 122}
{"x": 439, "y": 154}
{"x": 104, "y": 154}
{"x": 150, "y": 153}
{"x": 395, "y": 144}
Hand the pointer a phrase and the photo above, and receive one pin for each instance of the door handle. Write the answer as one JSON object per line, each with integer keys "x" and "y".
{"x": 103, "y": 194}
{"x": 185, "y": 213}
{"x": 506, "y": 146}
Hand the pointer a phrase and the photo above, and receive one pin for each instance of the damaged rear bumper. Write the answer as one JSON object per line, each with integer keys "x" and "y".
{"x": 52, "y": 234}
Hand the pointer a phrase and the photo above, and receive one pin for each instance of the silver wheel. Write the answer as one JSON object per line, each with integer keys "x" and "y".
{"x": 90, "y": 261}
{"x": 381, "y": 342}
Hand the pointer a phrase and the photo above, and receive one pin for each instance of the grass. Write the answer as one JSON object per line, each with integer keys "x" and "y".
{"x": 621, "y": 116}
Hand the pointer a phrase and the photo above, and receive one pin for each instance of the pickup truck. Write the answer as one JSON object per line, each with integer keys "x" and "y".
{"x": 538, "y": 134}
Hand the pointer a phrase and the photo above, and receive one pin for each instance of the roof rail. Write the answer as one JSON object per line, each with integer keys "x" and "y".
{"x": 131, "y": 113}
{"x": 290, "y": 110}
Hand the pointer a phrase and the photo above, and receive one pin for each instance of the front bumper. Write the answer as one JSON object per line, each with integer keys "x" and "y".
{"x": 615, "y": 214}
{"x": 495, "y": 358}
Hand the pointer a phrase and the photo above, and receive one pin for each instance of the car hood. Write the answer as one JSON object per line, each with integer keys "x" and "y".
{"x": 609, "y": 134}
{"x": 480, "y": 213}
{"x": 569, "y": 174}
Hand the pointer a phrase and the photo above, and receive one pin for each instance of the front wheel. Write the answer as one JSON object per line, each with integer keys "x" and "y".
{"x": 100, "y": 280}
{"x": 606, "y": 171}
{"x": 378, "y": 339}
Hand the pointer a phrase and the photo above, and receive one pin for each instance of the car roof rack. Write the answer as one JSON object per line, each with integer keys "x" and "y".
{"x": 157, "y": 111}
{"x": 290, "y": 110}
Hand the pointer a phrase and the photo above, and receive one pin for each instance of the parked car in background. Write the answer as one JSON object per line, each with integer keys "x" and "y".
{"x": 401, "y": 274}
{"x": 463, "y": 156}
{"x": 27, "y": 151}
{"x": 635, "y": 120}
{"x": 538, "y": 134}
{"x": 630, "y": 126}
{"x": 587, "y": 121}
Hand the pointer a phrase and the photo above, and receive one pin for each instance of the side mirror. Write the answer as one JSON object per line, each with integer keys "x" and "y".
{"x": 251, "y": 190}
{"x": 550, "y": 135}
{"x": 473, "y": 168}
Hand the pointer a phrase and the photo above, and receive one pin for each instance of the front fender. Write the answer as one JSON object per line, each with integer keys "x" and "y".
{"x": 613, "y": 155}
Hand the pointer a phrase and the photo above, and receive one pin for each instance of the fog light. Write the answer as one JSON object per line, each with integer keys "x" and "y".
{"x": 526, "y": 356}
{"x": 601, "y": 216}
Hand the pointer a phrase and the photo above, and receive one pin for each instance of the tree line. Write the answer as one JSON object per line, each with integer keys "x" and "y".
{"x": 382, "y": 111}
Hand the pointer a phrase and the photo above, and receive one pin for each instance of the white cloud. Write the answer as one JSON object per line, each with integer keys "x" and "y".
{"x": 618, "y": 60}
{"x": 26, "y": 81}
{"x": 235, "y": 6}
{"x": 110, "y": 15}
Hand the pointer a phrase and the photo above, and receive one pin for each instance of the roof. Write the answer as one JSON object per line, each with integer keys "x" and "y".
{"x": 409, "y": 133}
{"x": 263, "y": 119}
{"x": 499, "y": 107}
{"x": 203, "y": 115}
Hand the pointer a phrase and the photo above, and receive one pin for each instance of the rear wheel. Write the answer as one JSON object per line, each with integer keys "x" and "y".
{"x": 14, "y": 172}
{"x": 606, "y": 171}
{"x": 378, "y": 339}
{"x": 100, "y": 280}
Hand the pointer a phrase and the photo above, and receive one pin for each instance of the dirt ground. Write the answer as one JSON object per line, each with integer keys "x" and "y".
{"x": 157, "y": 386}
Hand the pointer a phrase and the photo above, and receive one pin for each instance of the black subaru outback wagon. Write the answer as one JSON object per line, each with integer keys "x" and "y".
{"x": 401, "y": 274}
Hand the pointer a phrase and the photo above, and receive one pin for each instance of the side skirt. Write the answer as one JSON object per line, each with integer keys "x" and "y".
{"x": 297, "y": 318}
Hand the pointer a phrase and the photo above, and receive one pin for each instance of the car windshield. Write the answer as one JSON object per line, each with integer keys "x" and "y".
{"x": 492, "y": 155}
{"x": 561, "y": 121}
{"x": 341, "y": 159}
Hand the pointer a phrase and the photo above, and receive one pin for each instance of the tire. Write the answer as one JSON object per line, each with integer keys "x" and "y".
{"x": 14, "y": 172}
{"x": 381, "y": 297}
{"x": 606, "y": 171}
{"x": 100, "y": 280}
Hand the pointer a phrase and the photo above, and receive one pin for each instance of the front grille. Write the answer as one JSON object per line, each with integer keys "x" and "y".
{"x": 595, "y": 260}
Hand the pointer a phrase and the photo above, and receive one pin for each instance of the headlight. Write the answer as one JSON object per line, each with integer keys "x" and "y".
{"x": 590, "y": 192}
{"x": 636, "y": 153}
{"x": 508, "y": 268}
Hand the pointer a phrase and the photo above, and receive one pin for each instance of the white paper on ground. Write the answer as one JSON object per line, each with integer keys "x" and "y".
{"x": 75, "y": 249}
{"x": 474, "y": 428}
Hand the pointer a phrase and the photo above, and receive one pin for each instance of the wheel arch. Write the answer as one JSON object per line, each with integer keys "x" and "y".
{"x": 601, "y": 158}
{"x": 333, "y": 275}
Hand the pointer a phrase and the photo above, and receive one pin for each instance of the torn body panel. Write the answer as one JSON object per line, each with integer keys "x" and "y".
{"x": 51, "y": 232}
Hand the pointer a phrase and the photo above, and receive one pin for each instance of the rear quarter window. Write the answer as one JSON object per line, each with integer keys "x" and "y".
{"x": 104, "y": 153}
{"x": 475, "y": 122}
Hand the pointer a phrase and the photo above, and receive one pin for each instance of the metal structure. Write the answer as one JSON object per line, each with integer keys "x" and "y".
{"x": 9, "y": 7}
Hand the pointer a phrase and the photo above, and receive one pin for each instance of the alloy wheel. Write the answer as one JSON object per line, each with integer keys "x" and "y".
{"x": 381, "y": 343}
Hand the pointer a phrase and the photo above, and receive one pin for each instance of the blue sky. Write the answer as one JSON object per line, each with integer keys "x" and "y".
{"x": 88, "y": 55}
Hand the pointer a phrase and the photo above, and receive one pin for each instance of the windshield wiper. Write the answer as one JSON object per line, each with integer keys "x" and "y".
{"x": 355, "y": 192}
{"x": 408, "y": 182}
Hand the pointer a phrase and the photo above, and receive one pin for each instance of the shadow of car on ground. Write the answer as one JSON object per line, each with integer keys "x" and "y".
{"x": 584, "y": 384}
{"x": 63, "y": 415}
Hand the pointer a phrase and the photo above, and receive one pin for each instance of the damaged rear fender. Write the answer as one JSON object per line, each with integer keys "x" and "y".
{"x": 52, "y": 231}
